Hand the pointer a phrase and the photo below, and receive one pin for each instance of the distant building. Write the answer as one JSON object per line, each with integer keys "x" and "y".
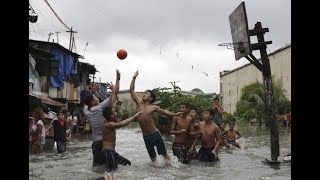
{"x": 196, "y": 92}
{"x": 232, "y": 82}
{"x": 127, "y": 102}
{"x": 59, "y": 73}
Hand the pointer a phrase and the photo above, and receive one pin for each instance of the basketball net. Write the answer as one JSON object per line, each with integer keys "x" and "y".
{"x": 234, "y": 46}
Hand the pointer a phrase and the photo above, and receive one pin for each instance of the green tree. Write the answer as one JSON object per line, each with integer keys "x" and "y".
{"x": 252, "y": 102}
{"x": 171, "y": 101}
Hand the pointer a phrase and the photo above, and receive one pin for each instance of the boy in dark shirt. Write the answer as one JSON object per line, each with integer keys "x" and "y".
{"x": 59, "y": 132}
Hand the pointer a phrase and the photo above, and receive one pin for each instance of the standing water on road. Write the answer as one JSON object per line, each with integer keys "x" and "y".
{"x": 76, "y": 162}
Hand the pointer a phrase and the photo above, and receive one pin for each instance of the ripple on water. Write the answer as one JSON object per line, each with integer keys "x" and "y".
{"x": 76, "y": 163}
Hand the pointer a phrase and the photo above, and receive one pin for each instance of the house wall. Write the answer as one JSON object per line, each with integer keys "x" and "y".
{"x": 232, "y": 82}
{"x": 128, "y": 102}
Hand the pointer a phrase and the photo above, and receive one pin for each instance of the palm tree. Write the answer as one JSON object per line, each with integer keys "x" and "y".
{"x": 252, "y": 102}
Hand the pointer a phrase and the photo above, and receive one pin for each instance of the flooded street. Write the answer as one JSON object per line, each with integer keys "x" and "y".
{"x": 76, "y": 162}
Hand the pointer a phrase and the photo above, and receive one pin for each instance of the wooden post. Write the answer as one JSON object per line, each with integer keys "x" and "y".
{"x": 71, "y": 34}
{"x": 49, "y": 36}
{"x": 267, "y": 82}
{"x": 57, "y": 36}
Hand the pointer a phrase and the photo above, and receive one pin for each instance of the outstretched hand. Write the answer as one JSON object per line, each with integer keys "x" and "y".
{"x": 136, "y": 74}
{"x": 118, "y": 74}
{"x": 111, "y": 86}
{"x": 95, "y": 87}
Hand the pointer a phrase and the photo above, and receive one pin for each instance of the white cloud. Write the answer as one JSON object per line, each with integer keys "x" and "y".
{"x": 191, "y": 29}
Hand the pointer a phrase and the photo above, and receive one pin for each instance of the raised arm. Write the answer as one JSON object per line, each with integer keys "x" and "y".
{"x": 166, "y": 112}
{"x": 122, "y": 123}
{"x": 132, "y": 93}
{"x": 94, "y": 90}
{"x": 219, "y": 109}
{"x": 115, "y": 90}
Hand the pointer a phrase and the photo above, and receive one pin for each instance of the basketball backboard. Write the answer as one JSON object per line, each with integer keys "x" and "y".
{"x": 240, "y": 32}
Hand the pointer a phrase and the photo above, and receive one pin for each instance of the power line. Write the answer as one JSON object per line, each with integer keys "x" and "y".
{"x": 271, "y": 52}
{"x": 39, "y": 28}
{"x": 56, "y": 14}
{"x": 44, "y": 19}
{"x": 34, "y": 29}
{"x": 52, "y": 22}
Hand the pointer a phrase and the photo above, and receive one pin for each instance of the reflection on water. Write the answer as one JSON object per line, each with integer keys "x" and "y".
{"x": 76, "y": 162}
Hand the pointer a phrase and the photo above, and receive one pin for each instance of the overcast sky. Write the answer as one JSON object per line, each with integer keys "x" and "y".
{"x": 166, "y": 40}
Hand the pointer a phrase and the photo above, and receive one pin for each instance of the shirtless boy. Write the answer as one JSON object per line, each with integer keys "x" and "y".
{"x": 180, "y": 128}
{"x": 232, "y": 135}
{"x": 210, "y": 139}
{"x": 194, "y": 132}
{"x": 151, "y": 134}
{"x": 109, "y": 134}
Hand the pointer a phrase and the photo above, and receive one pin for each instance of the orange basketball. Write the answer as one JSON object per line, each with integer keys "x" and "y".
{"x": 122, "y": 54}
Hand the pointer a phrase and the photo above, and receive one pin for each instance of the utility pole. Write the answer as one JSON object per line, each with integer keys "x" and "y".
{"x": 243, "y": 48}
{"x": 267, "y": 82}
{"x": 71, "y": 35}
{"x": 85, "y": 48}
{"x": 174, "y": 86}
{"x": 57, "y": 36}
{"x": 49, "y": 36}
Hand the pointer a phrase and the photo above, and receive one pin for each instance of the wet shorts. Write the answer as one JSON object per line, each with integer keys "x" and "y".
{"x": 206, "y": 155}
{"x": 152, "y": 140}
{"x": 113, "y": 159}
{"x": 61, "y": 146}
{"x": 180, "y": 150}
{"x": 98, "y": 156}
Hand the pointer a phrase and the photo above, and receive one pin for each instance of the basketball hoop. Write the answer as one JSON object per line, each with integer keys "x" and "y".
{"x": 240, "y": 32}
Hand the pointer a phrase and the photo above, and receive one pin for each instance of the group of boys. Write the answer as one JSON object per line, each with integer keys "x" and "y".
{"x": 185, "y": 126}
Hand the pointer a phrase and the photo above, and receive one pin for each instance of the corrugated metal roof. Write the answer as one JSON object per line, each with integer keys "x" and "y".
{"x": 37, "y": 44}
{"x": 88, "y": 67}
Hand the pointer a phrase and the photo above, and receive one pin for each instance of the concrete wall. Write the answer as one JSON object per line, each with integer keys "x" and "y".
{"x": 128, "y": 103}
{"x": 233, "y": 81}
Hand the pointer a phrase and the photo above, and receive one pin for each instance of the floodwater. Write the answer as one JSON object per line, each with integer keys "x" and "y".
{"x": 243, "y": 164}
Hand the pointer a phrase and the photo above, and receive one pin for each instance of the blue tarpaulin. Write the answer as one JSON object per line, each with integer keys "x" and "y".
{"x": 67, "y": 66}
{"x": 104, "y": 91}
